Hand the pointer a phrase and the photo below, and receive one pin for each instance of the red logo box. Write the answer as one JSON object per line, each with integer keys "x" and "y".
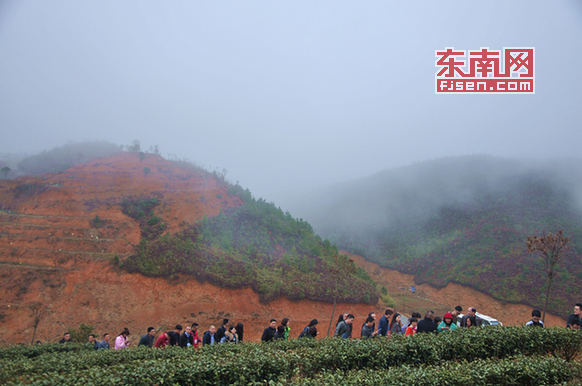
{"x": 485, "y": 71}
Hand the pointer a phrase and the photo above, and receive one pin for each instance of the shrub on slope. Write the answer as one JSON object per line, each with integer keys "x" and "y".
{"x": 253, "y": 245}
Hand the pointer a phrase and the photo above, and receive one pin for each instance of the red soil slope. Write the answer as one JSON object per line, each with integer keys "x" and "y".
{"x": 445, "y": 299}
{"x": 51, "y": 253}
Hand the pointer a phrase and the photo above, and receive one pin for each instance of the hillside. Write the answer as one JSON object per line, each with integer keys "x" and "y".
{"x": 106, "y": 244}
{"x": 118, "y": 218}
{"x": 462, "y": 220}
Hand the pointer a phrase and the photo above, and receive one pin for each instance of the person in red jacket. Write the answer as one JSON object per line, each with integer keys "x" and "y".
{"x": 196, "y": 340}
{"x": 162, "y": 341}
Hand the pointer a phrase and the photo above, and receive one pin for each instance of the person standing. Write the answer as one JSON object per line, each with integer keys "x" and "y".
{"x": 240, "y": 330}
{"x": 280, "y": 333}
{"x": 535, "y": 319}
{"x": 455, "y": 313}
{"x": 221, "y": 330}
{"x": 471, "y": 311}
{"x": 411, "y": 329}
{"x": 104, "y": 344}
{"x": 270, "y": 331}
{"x": 447, "y": 323}
{"x": 230, "y": 336}
{"x": 148, "y": 339}
{"x": 368, "y": 330}
{"x": 186, "y": 339}
{"x": 396, "y": 325}
{"x": 343, "y": 328}
{"x": 306, "y": 333}
{"x": 384, "y": 323}
{"x": 208, "y": 338}
{"x": 162, "y": 341}
{"x": 373, "y": 316}
{"x": 350, "y": 327}
{"x": 66, "y": 338}
{"x": 285, "y": 324}
{"x": 92, "y": 342}
{"x": 122, "y": 340}
{"x": 575, "y": 315}
{"x": 427, "y": 324}
{"x": 312, "y": 332}
{"x": 175, "y": 335}
{"x": 195, "y": 337}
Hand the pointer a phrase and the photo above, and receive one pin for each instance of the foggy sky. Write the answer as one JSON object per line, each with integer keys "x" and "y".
{"x": 284, "y": 95}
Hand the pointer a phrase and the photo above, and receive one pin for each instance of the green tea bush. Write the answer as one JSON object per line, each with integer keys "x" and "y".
{"x": 489, "y": 356}
{"x": 518, "y": 370}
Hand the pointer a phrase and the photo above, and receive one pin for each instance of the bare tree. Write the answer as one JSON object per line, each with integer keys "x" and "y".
{"x": 38, "y": 311}
{"x": 342, "y": 267}
{"x": 552, "y": 249}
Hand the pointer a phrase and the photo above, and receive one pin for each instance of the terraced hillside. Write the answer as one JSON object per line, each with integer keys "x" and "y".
{"x": 56, "y": 224}
{"x": 118, "y": 242}
{"x": 46, "y": 219}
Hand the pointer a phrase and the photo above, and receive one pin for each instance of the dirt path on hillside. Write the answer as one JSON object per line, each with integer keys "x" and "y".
{"x": 445, "y": 299}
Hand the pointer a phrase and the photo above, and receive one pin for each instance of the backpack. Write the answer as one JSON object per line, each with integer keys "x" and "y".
{"x": 304, "y": 333}
{"x": 342, "y": 330}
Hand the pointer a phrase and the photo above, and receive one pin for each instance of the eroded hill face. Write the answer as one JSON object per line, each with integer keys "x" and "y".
{"x": 53, "y": 225}
{"x": 442, "y": 300}
{"x": 60, "y": 236}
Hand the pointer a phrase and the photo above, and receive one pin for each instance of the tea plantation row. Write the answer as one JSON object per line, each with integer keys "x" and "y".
{"x": 501, "y": 356}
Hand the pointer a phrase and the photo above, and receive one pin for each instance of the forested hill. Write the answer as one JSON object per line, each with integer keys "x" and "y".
{"x": 462, "y": 219}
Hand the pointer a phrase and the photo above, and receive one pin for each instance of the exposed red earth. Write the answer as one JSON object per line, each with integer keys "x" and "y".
{"x": 50, "y": 252}
{"x": 445, "y": 299}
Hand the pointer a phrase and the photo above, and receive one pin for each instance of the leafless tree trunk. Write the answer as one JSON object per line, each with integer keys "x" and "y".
{"x": 552, "y": 249}
{"x": 37, "y": 310}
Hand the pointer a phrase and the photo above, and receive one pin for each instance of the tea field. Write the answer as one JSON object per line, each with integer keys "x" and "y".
{"x": 500, "y": 356}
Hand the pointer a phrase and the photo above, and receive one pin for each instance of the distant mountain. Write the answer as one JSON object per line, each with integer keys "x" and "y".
{"x": 461, "y": 219}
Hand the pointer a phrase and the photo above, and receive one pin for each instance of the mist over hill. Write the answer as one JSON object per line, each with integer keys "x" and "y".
{"x": 60, "y": 158}
{"x": 462, "y": 219}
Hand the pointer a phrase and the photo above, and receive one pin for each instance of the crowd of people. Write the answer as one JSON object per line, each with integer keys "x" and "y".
{"x": 390, "y": 324}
